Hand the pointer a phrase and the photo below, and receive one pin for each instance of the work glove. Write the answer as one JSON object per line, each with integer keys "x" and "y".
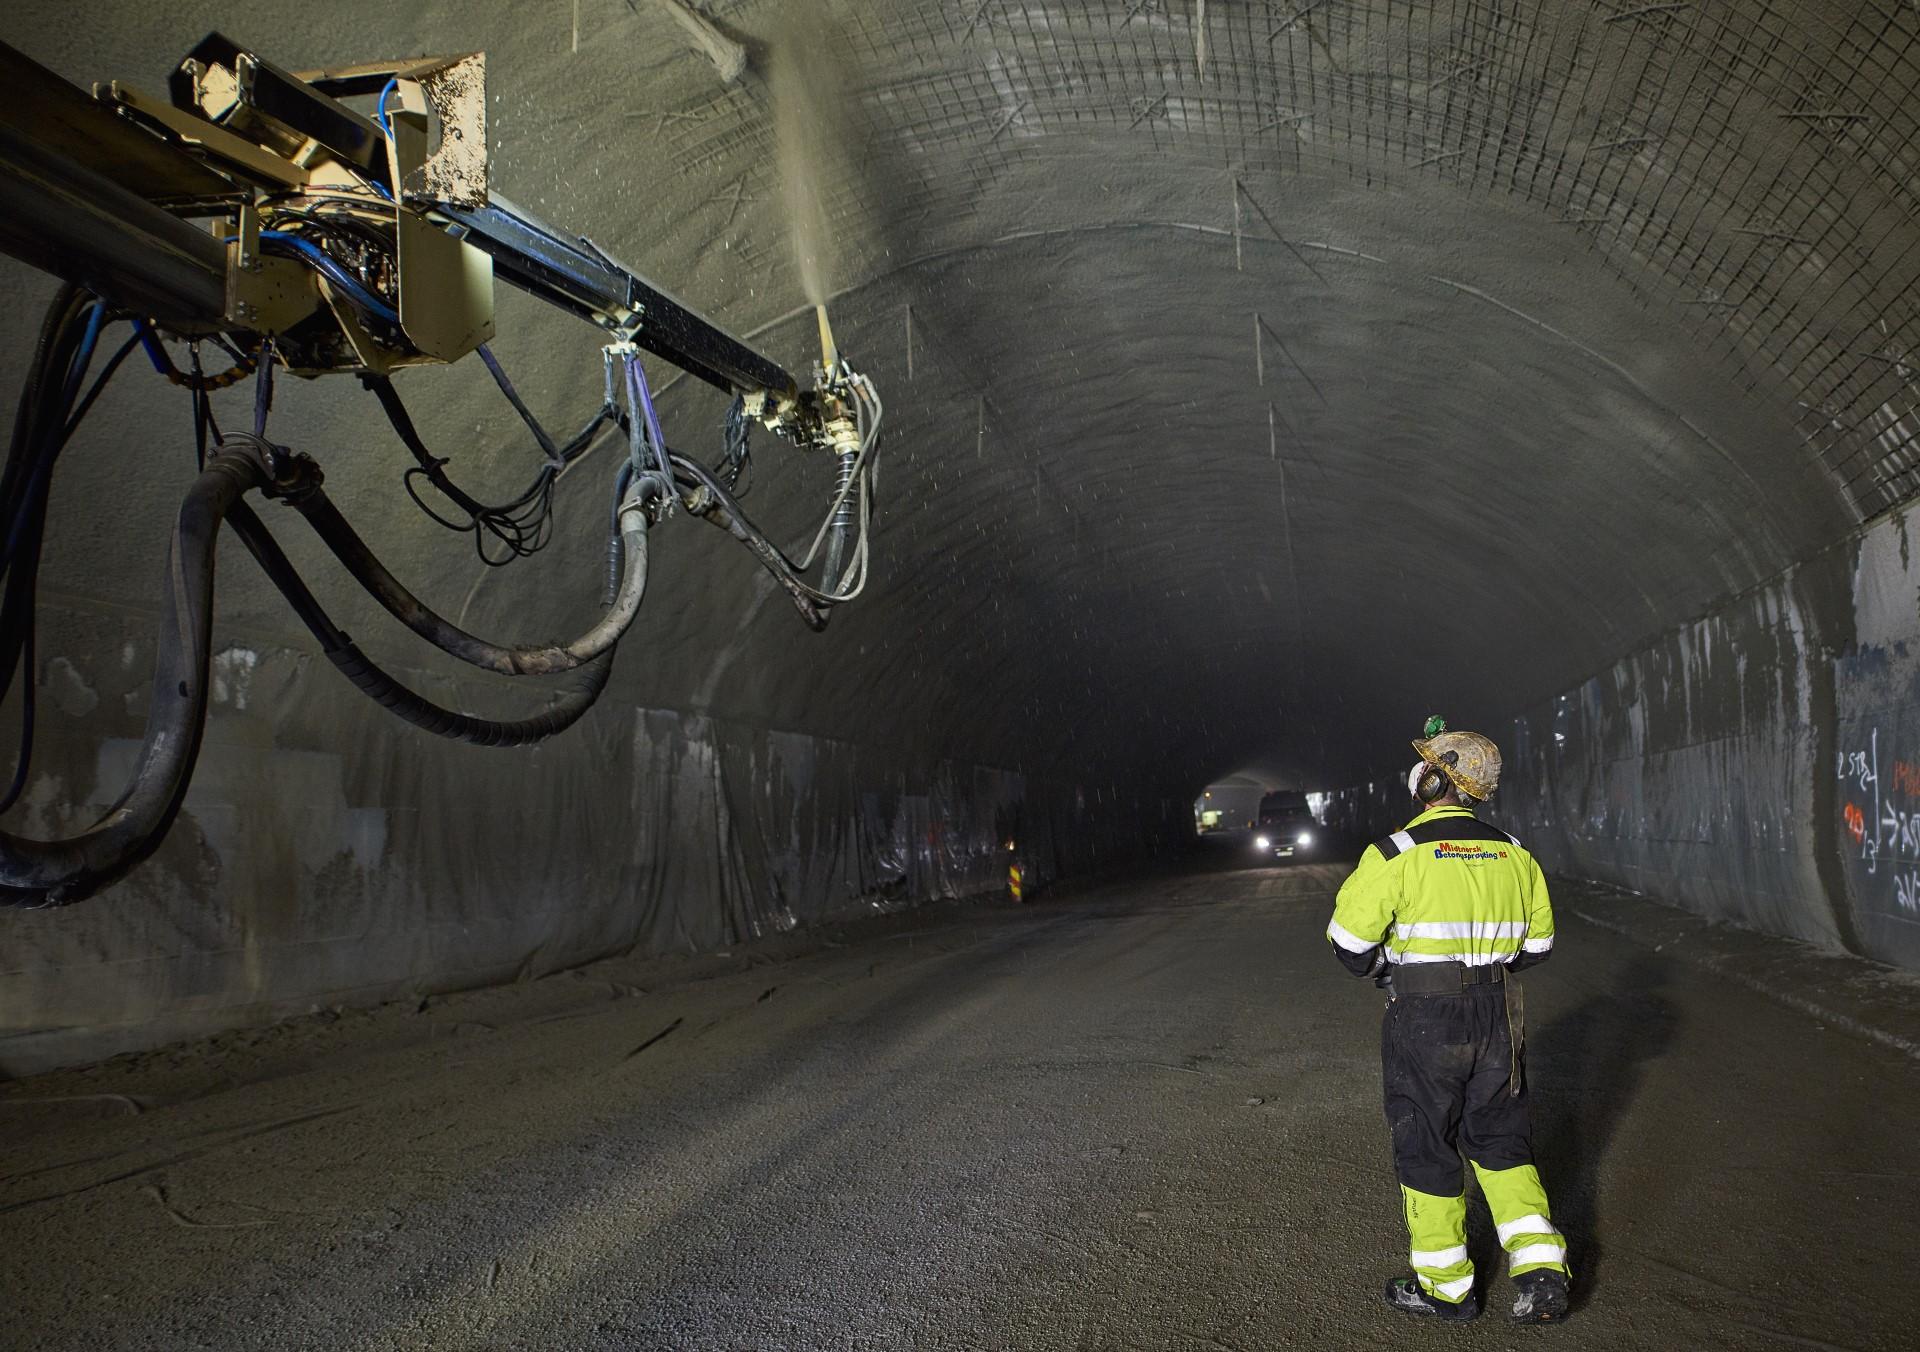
{"x": 1381, "y": 970}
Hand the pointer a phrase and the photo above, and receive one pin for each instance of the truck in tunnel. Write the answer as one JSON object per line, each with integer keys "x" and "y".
{"x": 1285, "y": 827}
{"x": 612, "y": 613}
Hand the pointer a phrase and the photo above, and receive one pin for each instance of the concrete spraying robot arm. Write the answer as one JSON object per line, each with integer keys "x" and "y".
{"x": 341, "y": 221}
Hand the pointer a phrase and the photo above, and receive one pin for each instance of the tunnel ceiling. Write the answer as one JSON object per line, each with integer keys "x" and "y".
{"x": 1259, "y": 376}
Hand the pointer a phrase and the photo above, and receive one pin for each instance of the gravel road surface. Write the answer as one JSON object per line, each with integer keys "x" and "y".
{"x": 1138, "y": 1115}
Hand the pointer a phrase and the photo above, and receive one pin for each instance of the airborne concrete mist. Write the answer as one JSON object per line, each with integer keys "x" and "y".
{"x": 807, "y": 83}
{"x": 1254, "y": 390}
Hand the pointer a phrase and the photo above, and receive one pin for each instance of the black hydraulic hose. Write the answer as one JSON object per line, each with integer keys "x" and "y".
{"x": 55, "y": 329}
{"x": 39, "y": 421}
{"x": 85, "y": 406}
{"x": 540, "y": 436}
{"x": 578, "y": 692}
{"x": 58, "y": 872}
{"x": 279, "y": 569}
{"x": 430, "y": 464}
{"x": 29, "y": 709}
{"x": 44, "y": 421}
{"x": 725, "y": 513}
{"x": 531, "y": 660}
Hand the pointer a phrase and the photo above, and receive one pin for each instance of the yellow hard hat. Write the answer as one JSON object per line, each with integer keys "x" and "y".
{"x": 1471, "y": 761}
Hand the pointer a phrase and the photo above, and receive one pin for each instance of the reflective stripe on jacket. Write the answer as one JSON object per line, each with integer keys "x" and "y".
{"x": 1447, "y": 887}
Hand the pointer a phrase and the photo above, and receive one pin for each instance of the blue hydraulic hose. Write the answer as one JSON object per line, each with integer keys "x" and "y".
{"x": 386, "y": 125}
{"x": 330, "y": 268}
{"x": 99, "y": 385}
{"x": 84, "y": 356}
{"x": 380, "y": 113}
{"x": 150, "y": 344}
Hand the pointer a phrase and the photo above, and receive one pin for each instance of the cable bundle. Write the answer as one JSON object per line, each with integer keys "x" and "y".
{"x": 50, "y": 410}
{"x": 651, "y": 481}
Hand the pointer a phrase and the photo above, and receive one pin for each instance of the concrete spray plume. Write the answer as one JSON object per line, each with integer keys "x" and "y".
{"x": 811, "y": 126}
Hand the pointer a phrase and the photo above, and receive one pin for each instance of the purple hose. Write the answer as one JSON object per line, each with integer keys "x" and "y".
{"x": 637, "y": 381}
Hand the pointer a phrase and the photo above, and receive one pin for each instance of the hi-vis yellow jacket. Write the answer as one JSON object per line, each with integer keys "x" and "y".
{"x": 1446, "y": 888}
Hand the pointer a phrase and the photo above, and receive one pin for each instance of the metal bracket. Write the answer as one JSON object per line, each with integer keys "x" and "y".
{"x": 253, "y": 163}
{"x": 446, "y": 285}
{"x": 266, "y": 295}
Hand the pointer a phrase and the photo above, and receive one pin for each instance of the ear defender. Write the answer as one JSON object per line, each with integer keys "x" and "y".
{"x": 1433, "y": 782}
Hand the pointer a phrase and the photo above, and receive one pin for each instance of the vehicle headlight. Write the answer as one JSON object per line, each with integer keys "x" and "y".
{"x": 1262, "y": 843}
{"x": 1306, "y": 838}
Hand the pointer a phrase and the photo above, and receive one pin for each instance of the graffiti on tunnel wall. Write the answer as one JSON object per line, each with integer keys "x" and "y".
{"x": 1876, "y": 764}
{"x": 1880, "y": 821}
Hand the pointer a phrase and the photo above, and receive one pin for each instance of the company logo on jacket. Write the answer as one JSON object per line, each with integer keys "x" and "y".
{"x": 1444, "y": 850}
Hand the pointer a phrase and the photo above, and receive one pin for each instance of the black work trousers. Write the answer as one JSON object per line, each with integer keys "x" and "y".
{"x": 1447, "y": 1067}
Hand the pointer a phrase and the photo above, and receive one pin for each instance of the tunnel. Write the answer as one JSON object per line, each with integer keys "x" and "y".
{"x": 1261, "y": 377}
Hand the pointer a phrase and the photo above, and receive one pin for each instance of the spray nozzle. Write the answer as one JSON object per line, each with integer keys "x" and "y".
{"x": 829, "y": 353}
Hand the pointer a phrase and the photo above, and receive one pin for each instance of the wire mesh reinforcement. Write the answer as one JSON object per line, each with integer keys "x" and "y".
{"x": 1752, "y": 165}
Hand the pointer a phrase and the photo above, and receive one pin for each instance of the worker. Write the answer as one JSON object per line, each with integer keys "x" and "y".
{"x": 1442, "y": 914}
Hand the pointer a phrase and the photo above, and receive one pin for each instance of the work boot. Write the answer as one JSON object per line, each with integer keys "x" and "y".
{"x": 1405, "y": 1295}
{"x": 1541, "y": 1297}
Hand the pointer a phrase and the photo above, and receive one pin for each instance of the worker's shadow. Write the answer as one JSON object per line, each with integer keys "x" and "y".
{"x": 1584, "y": 1068}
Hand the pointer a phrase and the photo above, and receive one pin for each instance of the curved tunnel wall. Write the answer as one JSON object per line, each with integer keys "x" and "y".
{"x": 1756, "y": 765}
{"x": 1258, "y": 379}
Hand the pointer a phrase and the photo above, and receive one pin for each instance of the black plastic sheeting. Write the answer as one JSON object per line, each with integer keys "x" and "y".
{"x": 323, "y": 859}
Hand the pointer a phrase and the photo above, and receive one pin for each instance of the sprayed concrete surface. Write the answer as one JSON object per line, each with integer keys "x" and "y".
{"x": 1140, "y": 1115}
